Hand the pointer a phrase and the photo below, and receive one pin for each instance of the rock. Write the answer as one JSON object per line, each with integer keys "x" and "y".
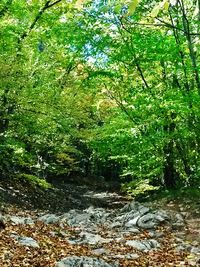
{"x": 100, "y": 251}
{"x": 127, "y": 256}
{"x": 183, "y": 246}
{"x": 26, "y": 241}
{"x": 131, "y": 218}
{"x": 132, "y": 222}
{"x": 21, "y": 220}
{"x": 93, "y": 239}
{"x": 134, "y": 206}
{"x": 88, "y": 217}
{"x": 75, "y": 261}
{"x": 195, "y": 250}
{"x": 74, "y": 218}
{"x": 152, "y": 220}
{"x": 143, "y": 245}
{"x": 49, "y": 218}
{"x": 178, "y": 222}
{"x": 2, "y": 222}
{"x": 139, "y": 216}
{"x": 133, "y": 230}
{"x": 89, "y": 238}
{"x": 155, "y": 234}
{"x": 115, "y": 224}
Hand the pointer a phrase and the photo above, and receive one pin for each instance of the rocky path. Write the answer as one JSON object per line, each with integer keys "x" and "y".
{"x": 77, "y": 226}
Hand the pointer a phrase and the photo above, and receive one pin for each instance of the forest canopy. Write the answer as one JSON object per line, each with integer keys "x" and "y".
{"x": 101, "y": 88}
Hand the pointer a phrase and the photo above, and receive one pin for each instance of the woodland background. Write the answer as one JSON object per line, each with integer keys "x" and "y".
{"x": 106, "y": 89}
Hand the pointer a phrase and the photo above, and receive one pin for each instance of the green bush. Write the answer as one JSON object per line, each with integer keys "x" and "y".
{"x": 139, "y": 188}
{"x": 33, "y": 180}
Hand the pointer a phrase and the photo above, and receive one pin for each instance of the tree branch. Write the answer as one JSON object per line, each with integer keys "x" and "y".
{"x": 186, "y": 26}
{"x": 39, "y": 15}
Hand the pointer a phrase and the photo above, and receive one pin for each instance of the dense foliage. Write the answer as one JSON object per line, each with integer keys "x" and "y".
{"x": 101, "y": 88}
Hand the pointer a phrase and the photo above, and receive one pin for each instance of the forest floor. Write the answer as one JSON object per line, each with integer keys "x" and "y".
{"x": 21, "y": 201}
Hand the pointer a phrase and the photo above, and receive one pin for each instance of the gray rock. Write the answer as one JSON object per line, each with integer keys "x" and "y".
{"x": 155, "y": 234}
{"x": 178, "y": 222}
{"x": 93, "y": 239}
{"x": 132, "y": 222}
{"x": 99, "y": 251}
{"x": 195, "y": 250}
{"x": 116, "y": 224}
{"x": 151, "y": 220}
{"x": 127, "y": 256}
{"x": 133, "y": 230}
{"x": 83, "y": 262}
{"x": 2, "y": 221}
{"x": 49, "y": 218}
{"x": 139, "y": 216}
{"x": 21, "y": 220}
{"x": 143, "y": 245}
{"x": 131, "y": 218}
{"x": 26, "y": 241}
{"x": 91, "y": 216}
{"x": 75, "y": 218}
{"x": 89, "y": 238}
{"x": 134, "y": 206}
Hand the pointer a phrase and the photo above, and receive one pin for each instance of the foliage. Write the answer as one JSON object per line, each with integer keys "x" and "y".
{"x": 139, "y": 188}
{"x": 32, "y": 181}
{"x": 105, "y": 88}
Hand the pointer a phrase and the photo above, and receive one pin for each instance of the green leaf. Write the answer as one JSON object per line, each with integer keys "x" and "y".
{"x": 166, "y": 5}
{"x": 117, "y": 9}
{"x": 155, "y": 11}
{"x": 132, "y": 7}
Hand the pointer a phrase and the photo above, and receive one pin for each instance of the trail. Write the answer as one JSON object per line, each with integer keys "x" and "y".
{"x": 79, "y": 225}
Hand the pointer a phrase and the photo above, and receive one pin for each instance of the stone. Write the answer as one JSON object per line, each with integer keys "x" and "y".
{"x": 2, "y": 222}
{"x": 152, "y": 220}
{"x": 133, "y": 230}
{"x": 93, "y": 239}
{"x": 155, "y": 234}
{"x": 195, "y": 250}
{"x": 132, "y": 222}
{"x": 136, "y": 215}
{"x": 25, "y": 241}
{"x": 134, "y": 206}
{"x": 116, "y": 224}
{"x": 89, "y": 238}
{"x": 143, "y": 245}
{"x": 20, "y": 220}
{"x": 178, "y": 222}
{"x": 127, "y": 256}
{"x": 75, "y": 261}
{"x": 76, "y": 219}
{"x": 49, "y": 218}
{"x": 99, "y": 251}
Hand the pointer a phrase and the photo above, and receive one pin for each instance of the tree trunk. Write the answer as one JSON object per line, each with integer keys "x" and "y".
{"x": 169, "y": 167}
